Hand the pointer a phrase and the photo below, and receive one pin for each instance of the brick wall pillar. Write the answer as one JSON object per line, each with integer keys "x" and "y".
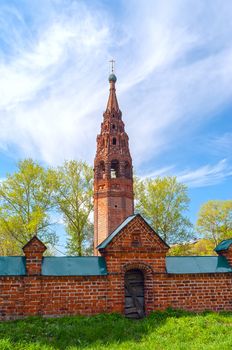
{"x": 227, "y": 254}
{"x": 33, "y": 251}
{"x": 224, "y": 248}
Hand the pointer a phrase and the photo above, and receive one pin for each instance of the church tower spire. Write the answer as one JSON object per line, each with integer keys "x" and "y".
{"x": 113, "y": 178}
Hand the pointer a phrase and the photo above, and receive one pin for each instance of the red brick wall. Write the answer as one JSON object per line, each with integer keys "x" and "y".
{"x": 40, "y": 295}
{"x": 136, "y": 247}
{"x": 53, "y": 296}
{"x": 24, "y": 296}
{"x": 195, "y": 292}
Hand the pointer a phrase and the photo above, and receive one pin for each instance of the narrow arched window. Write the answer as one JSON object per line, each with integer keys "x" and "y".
{"x": 114, "y": 141}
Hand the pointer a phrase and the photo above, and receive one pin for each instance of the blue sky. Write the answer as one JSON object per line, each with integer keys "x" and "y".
{"x": 173, "y": 63}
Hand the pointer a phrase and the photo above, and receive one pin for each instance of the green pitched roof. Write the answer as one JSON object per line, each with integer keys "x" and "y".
{"x": 197, "y": 264}
{"x": 12, "y": 266}
{"x": 74, "y": 266}
{"x": 224, "y": 245}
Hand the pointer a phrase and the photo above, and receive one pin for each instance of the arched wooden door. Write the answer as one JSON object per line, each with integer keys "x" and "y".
{"x": 134, "y": 294}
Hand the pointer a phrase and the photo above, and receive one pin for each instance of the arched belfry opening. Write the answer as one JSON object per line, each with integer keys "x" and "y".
{"x": 114, "y": 169}
{"x": 134, "y": 294}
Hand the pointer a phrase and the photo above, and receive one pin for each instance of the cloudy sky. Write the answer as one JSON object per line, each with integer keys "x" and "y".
{"x": 174, "y": 70}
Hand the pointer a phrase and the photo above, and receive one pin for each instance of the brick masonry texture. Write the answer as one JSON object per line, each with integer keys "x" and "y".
{"x": 113, "y": 178}
{"x": 135, "y": 247}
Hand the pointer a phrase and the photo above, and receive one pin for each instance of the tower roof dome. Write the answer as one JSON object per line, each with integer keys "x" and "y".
{"x": 112, "y": 77}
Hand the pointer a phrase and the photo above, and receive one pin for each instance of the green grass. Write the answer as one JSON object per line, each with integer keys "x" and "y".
{"x": 161, "y": 330}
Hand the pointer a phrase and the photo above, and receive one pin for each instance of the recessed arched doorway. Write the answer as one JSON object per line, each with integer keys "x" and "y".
{"x": 134, "y": 294}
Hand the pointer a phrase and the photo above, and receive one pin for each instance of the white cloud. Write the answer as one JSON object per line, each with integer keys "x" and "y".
{"x": 174, "y": 71}
{"x": 159, "y": 172}
{"x": 45, "y": 104}
{"x": 222, "y": 144}
{"x": 205, "y": 175}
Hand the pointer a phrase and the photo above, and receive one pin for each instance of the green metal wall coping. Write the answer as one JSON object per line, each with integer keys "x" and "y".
{"x": 96, "y": 266}
{"x": 74, "y": 266}
{"x": 223, "y": 245}
{"x": 12, "y": 266}
{"x": 197, "y": 264}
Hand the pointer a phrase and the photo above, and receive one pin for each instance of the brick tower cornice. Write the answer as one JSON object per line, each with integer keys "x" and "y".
{"x": 113, "y": 180}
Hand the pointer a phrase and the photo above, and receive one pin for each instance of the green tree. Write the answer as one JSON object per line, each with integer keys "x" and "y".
{"x": 164, "y": 201}
{"x": 197, "y": 248}
{"x": 87, "y": 242}
{"x": 74, "y": 199}
{"x": 215, "y": 220}
{"x": 203, "y": 247}
{"x": 8, "y": 245}
{"x": 25, "y": 206}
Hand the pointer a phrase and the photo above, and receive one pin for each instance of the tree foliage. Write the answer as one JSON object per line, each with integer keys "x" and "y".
{"x": 215, "y": 220}
{"x": 74, "y": 200}
{"x": 198, "y": 248}
{"x": 25, "y": 205}
{"x": 164, "y": 201}
{"x": 31, "y": 196}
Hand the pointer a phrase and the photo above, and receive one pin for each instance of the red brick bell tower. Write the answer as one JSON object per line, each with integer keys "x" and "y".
{"x": 113, "y": 178}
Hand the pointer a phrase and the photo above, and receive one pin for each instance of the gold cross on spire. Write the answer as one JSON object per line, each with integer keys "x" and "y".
{"x": 112, "y": 65}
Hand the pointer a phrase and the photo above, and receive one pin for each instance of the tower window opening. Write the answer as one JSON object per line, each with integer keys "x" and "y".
{"x": 114, "y": 169}
{"x": 113, "y": 126}
{"x": 101, "y": 170}
{"x": 114, "y": 141}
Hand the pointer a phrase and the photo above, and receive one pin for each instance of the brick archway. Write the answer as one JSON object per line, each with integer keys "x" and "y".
{"x": 148, "y": 282}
